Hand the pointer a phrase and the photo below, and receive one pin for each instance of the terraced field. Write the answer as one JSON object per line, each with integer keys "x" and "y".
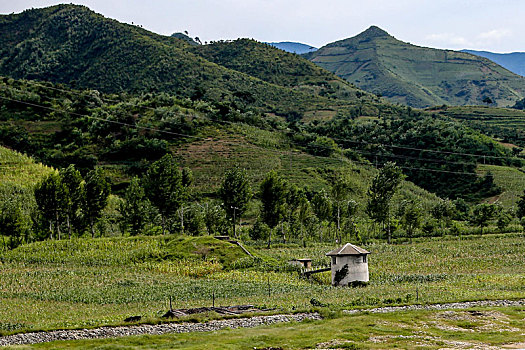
{"x": 505, "y": 124}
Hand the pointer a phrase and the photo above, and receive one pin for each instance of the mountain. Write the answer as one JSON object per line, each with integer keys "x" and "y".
{"x": 274, "y": 66}
{"x": 73, "y": 45}
{"x": 515, "y": 61}
{"x": 418, "y": 76}
{"x": 293, "y": 47}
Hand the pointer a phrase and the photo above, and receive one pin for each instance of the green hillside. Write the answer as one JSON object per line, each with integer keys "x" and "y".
{"x": 125, "y": 137}
{"x": 72, "y": 45}
{"x": 275, "y": 66}
{"x": 19, "y": 169}
{"x": 418, "y": 76}
{"x": 511, "y": 181}
{"x": 505, "y": 124}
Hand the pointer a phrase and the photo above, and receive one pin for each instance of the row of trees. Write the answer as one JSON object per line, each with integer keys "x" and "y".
{"x": 64, "y": 196}
{"x": 161, "y": 201}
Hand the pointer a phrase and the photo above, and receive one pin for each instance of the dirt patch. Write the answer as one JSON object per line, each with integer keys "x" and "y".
{"x": 472, "y": 321}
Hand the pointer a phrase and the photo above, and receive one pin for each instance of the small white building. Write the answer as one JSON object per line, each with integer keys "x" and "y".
{"x": 349, "y": 264}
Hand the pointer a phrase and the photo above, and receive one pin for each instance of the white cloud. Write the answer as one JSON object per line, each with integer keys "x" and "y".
{"x": 495, "y": 34}
{"x": 448, "y": 39}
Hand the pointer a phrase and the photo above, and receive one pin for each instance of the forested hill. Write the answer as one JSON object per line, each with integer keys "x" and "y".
{"x": 124, "y": 134}
{"x": 274, "y": 66}
{"x": 418, "y": 76}
{"x": 71, "y": 44}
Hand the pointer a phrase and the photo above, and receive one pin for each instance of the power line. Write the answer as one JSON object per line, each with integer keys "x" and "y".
{"x": 334, "y": 138}
{"x": 203, "y": 138}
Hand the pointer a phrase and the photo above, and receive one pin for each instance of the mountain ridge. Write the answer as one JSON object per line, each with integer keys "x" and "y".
{"x": 513, "y": 61}
{"x": 70, "y": 44}
{"x": 417, "y": 76}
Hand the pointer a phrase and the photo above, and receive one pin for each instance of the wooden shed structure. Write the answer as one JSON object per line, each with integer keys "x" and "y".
{"x": 349, "y": 263}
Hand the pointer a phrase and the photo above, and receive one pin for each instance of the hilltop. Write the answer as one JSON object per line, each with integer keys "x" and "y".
{"x": 418, "y": 76}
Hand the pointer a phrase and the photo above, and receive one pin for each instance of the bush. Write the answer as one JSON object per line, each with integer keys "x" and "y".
{"x": 259, "y": 231}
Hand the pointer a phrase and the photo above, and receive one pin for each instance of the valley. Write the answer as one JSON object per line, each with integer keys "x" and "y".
{"x": 141, "y": 174}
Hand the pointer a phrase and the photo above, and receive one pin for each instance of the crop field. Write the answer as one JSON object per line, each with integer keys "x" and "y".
{"x": 87, "y": 283}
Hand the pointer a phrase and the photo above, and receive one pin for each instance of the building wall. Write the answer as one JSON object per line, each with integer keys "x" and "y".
{"x": 357, "y": 269}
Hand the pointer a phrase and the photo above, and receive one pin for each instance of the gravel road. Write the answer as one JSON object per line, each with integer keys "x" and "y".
{"x": 123, "y": 331}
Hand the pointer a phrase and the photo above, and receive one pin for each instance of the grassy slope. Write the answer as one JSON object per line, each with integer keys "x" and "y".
{"x": 259, "y": 151}
{"x": 418, "y": 76}
{"x": 511, "y": 180}
{"x": 16, "y": 168}
{"x": 102, "y": 281}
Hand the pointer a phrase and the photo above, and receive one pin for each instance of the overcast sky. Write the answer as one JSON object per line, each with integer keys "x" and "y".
{"x": 492, "y": 25}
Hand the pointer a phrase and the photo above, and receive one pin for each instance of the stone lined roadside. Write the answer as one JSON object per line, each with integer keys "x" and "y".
{"x": 124, "y": 331}
{"x": 447, "y": 306}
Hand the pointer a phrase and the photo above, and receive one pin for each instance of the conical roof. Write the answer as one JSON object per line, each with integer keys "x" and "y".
{"x": 348, "y": 249}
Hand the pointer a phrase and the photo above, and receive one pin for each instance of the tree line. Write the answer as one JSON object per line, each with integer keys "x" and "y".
{"x": 161, "y": 202}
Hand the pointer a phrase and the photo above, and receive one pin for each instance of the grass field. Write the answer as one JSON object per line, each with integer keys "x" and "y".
{"x": 495, "y": 328}
{"x": 511, "y": 181}
{"x": 17, "y": 168}
{"x": 50, "y": 285}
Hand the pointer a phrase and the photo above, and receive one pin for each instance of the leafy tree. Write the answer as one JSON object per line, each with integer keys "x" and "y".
{"x": 194, "y": 220}
{"x": 17, "y": 209}
{"x": 305, "y": 213}
{"x": 164, "y": 187}
{"x": 461, "y": 209}
{"x": 504, "y": 219}
{"x": 294, "y": 198}
{"x": 272, "y": 193}
{"x": 380, "y": 194}
{"x": 74, "y": 194}
{"x": 214, "y": 218}
{"x": 483, "y": 213}
{"x": 235, "y": 193}
{"x": 51, "y": 201}
{"x": 443, "y": 212}
{"x": 97, "y": 193}
{"x": 520, "y": 211}
{"x": 411, "y": 213}
{"x": 322, "y": 207}
{"x": 135, "y": 208}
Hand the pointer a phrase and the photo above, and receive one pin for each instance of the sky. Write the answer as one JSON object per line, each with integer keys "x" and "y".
{"x": 492, "y": 25}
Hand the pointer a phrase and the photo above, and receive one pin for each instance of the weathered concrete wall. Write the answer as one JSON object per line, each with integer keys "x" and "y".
{"x": 357, "y": 269}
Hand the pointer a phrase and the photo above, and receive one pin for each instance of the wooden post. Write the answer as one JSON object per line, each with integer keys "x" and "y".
{"x": 269, "y": 289}
{"x": 213, "y": 298}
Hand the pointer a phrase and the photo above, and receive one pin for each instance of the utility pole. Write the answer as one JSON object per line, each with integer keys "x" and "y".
{"x": 234, "y": 227}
